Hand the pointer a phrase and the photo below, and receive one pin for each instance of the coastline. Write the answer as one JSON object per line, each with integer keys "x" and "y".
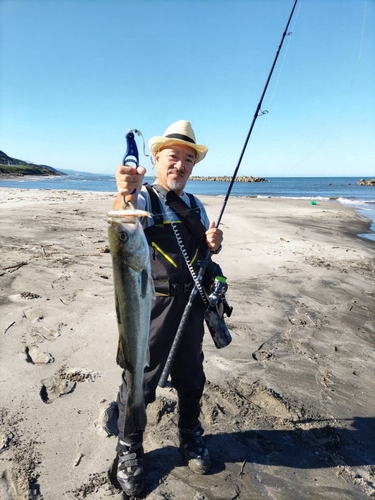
{"x": 288, "y": 408}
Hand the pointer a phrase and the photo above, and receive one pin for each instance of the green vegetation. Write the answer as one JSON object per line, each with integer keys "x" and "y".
{"x": 14, "y": 167}
{"x": 29, "y": 169}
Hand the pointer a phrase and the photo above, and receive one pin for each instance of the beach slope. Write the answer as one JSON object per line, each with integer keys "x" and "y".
{"x": 288, "y": 409}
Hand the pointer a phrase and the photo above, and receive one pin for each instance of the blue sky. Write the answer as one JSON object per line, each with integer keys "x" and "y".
{"x": 77, "y": 74}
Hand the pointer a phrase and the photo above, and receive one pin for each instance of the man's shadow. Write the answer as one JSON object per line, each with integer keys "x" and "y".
{"x": 322, "y": 445}
{"x": 314, "y": 448}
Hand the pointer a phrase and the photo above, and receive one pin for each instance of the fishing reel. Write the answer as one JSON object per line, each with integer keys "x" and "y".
{"x": 216, "y": 298}
{"x": 218, "y": 290}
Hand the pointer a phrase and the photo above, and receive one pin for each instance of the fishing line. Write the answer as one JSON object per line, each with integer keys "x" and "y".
{"x": 364, "y": 18}
{"x": 258, "y": 112}
{"x": 284, "y": 57}
{"x": 349, "y": 92}
{"x": 269, "y": 106}
{"x": 312, "y": 152}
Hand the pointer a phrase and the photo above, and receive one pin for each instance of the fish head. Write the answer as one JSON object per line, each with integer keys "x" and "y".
{"x": 128, "y": 242}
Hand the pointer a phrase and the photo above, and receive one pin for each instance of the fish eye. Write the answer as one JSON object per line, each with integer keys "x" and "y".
{"x": 123, "y": 237}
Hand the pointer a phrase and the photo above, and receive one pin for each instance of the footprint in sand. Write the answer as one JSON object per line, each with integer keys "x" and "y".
{"x": 19, "y": 482}
{"x": 64, "y": 382}
{"x": 106, "y": 424}
{"x": 68, "y": 298}
{"x": 264, "y": 352}
{"x": 55, "y": 387}
{"x": 34, "y": 314}
{"x": 6, "y": 437}
{"x": 60, "y": 282}
{"x": 51, "y": 334}
{"x": 37, "y": 357}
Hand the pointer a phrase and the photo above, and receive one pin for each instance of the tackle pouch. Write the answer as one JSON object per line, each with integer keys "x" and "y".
{"x": 217, "y": 328}
{"x": 218, "y": 306}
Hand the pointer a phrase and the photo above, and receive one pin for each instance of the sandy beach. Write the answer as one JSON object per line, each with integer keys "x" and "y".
{"x": 288, "y": 410}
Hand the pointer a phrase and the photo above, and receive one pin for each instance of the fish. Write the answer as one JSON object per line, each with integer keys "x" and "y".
{"x": 125, "y": 214}
{"x": 134, "y": 292}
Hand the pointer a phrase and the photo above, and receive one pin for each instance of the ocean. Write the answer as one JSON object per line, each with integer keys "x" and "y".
{"x": 343, "y": 189}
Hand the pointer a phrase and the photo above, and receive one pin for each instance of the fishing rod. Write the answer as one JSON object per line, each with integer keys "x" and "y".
{"x": 258, "y": 113}
{"x": 204, "y": 264}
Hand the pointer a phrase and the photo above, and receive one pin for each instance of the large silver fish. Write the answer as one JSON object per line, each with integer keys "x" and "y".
{"x": 133, "y": 296}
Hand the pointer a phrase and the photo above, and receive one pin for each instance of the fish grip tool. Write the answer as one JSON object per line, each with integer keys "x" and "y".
{"x": 131, "y": 157}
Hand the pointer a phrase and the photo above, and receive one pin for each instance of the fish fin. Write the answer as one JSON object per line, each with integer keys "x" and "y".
{"x": 117, "y": 307}
{"x": 147, "y": 281}
{"x": 120, "y": 357}
{"x": 147, "y": 357}
{"x": 152, "y": 286}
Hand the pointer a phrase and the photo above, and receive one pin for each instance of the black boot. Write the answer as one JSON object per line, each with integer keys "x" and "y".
{"x": 130, "y": 472}
{"x": 194, "y": 450}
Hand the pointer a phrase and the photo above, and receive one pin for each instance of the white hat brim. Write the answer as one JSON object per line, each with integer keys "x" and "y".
{"x": 157, "y": 142}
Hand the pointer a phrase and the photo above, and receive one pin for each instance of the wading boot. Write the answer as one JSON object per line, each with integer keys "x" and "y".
{"x": 194, "y": 450}
{"x": 130, "y": 473}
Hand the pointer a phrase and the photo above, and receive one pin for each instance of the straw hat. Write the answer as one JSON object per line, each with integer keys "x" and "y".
{"x": 179, "y": 132}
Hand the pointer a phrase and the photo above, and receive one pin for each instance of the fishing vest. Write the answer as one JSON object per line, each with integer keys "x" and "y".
{"x": 168, "y": 268}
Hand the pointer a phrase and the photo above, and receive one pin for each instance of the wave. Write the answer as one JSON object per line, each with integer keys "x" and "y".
{"x": 317, "y": 198}
{"x": 356, "y": 202}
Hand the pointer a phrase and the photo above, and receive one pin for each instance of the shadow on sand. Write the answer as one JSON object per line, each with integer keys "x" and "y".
{"x": 317, "y": 447}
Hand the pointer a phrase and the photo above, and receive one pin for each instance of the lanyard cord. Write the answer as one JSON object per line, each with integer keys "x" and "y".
{"x": 180, "y": 242}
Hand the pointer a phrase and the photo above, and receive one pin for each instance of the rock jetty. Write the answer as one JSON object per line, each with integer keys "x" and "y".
{"x": 227, "y": 178}
{"x": 363, "y": 182}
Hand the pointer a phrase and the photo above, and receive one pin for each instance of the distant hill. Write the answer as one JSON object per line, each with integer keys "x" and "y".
{"x": 80, "y": 173}
{"x": 13, "y": 167}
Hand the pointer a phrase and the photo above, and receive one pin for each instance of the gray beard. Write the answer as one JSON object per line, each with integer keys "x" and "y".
{"x": 174, "y": 185}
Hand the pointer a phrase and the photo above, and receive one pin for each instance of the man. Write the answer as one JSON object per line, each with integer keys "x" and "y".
{"x": 175, "y": 154}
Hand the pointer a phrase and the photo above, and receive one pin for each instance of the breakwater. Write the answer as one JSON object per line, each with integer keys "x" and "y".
{"x": 364, "y": 182}
{"x": 227, "y": 178}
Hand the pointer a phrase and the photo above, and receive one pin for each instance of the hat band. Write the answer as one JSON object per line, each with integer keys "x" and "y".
{"x": 180, "y": 136}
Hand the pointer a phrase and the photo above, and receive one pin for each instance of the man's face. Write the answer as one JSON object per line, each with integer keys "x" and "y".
{"x": 175, "y": 164}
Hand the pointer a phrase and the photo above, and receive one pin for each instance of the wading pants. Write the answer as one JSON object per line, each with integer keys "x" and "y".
{"x": 187, "y": 375}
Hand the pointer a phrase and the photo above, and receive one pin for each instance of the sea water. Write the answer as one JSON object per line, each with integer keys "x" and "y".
{"x": 343, "y": 189}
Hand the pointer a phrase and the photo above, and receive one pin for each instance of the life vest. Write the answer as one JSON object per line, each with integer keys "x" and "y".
{"x": 169, "y": 270}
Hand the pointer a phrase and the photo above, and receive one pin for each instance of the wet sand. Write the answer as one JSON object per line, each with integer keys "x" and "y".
{"x": 288, "y": 409}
